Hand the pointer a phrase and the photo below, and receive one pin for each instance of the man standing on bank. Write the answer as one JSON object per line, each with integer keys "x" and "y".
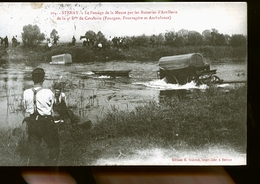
{"x": 38, "y": 102}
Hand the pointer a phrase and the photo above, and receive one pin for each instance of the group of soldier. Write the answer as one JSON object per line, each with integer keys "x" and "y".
{"x": 6, "y": 43}
{"x": 86, "y": 42}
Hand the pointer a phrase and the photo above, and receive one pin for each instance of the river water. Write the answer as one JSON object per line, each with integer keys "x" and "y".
{"x": 92, "y": 96}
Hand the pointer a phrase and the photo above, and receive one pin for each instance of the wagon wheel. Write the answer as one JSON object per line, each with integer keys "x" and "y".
{"x": 171, "y": 78}
{"x": 204, "y": 79}
{"x": 215, "y": 79}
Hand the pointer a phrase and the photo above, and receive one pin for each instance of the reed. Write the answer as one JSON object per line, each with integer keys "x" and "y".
{"x": 205, "y": 119}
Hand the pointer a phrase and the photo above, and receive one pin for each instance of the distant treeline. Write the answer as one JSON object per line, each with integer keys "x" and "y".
{"x": 32, "y": 36}
{"x": 92, "y": 47}
{"x": 182, "y": 38}
{"x": 175, "y": 39}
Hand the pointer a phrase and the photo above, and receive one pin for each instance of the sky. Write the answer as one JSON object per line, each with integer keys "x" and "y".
{"x": 123, "y": 19}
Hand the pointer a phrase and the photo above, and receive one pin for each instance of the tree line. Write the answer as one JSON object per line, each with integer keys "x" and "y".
{"x": 32, "y": 35}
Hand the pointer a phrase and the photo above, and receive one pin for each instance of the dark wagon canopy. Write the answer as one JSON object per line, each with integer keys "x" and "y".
{"x": 181, "y": 61}
{"x": 181, "y": 69}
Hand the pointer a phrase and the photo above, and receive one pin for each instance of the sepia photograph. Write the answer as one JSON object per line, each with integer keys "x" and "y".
{"x": 119, "y": 84}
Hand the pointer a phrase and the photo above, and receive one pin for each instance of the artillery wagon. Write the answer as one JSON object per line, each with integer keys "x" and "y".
{"x": 181, "y": 69}
{"x": 62, "y": 59}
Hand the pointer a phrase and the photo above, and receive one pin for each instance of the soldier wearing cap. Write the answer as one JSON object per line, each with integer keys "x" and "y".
{"x": 38, "y": 103}
{"x": 60, "y": 105}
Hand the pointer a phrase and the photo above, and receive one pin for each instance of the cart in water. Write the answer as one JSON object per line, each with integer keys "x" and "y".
{"x": 62, "y": 59}
{"x": 182, "y": 69}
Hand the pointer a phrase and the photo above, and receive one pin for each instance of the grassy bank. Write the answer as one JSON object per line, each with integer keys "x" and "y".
{"x": 83, "y": 54}
{"x": 30, "y": 56}
{"x": 202, "y": 120}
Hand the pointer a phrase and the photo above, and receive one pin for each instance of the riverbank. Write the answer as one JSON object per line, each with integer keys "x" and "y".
{"x": 206, "y": 122}
{"x": 191, "y": 128}
{"x": 43, "y": 54}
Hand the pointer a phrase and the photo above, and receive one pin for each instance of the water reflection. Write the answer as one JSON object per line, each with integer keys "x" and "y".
{"x": 91, "y": 96}
{"x": 12, "y": 85}
{"x": 88, "y": 94}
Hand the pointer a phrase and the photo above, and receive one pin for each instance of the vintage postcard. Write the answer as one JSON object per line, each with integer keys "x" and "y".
{"x": 96, "y": 84}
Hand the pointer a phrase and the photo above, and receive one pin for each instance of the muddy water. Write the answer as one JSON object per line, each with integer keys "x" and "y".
{"x": 92, "y": 96}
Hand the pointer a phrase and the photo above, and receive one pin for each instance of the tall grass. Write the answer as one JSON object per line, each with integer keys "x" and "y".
{"x": 210, "y": 118}
{"x": 205, "y": 119}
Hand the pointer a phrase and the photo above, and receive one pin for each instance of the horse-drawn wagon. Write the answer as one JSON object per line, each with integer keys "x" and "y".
{"x": 181, "y": 69}
{"x": 62, "y": 59}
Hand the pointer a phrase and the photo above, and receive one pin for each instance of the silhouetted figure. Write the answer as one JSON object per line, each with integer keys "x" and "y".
{"x": 2, "y": 40}
{"x": 73, "y": 41}
{"x": 14, "y": 42}
{"x": 84, "y": 43}
{"x": 55, "y": 40}
{"x": 6, "y": 42}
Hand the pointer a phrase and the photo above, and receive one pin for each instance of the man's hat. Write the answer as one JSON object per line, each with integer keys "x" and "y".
{"x": 38, "y": 75}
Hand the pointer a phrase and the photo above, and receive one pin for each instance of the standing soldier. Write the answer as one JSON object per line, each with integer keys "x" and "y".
{"x": 14, "y": 42}
{"x": 6, "y": 42}
{"x": 38, "y": 102}
{"x": 73, "y": 40}
{"x": 84, "y": 43}
{"x": 55, "y": 40}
